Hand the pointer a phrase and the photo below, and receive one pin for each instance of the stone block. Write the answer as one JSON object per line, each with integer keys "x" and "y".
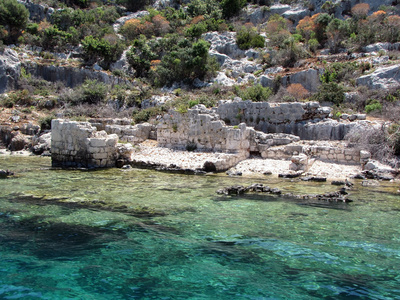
{"x": 97, "y": 142}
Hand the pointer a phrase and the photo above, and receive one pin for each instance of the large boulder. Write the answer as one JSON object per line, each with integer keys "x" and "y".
{"x": 10, "y": 69}
{"x": 382, "y": 78}
{"x": 224, "y": 43}
{"x": 19, "y": 142}
{"x": 37, "y": 12}
{"x": 309, "y": 79}
{"x": 41, "y": 143}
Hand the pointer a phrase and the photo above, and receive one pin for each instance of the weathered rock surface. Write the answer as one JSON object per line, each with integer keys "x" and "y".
{"x": 71, "y": 76}
{"x": 80, "y": 145}
{"x": 10, "y": 69}
{"x": 41, "y": 143}
{"x": 382, "y": 78}
{"x": 37, "y": 12}
{"x": 131, "y": 133}
{"x": 19, "y": 141}
{"x": 381, "y": 46}
{"x": 224, "y": 43}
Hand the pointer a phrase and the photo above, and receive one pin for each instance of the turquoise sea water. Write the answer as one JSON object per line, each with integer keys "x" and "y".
{"x": 141, "y": 234}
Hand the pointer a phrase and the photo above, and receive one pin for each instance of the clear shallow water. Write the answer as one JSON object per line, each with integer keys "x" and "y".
{"x": 141, "y": 234}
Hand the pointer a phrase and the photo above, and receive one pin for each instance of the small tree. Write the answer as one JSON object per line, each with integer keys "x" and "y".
{"x": 231, "y": 8}
{"x": 14, "y": 17}
{"x": 360, "y": 11}
{"x": 247, "y": 37}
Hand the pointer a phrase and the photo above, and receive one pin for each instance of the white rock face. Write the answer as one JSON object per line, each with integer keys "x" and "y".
{"x": 155, "y": 101}
{"x": 10, "y": 69}
{"x": 382, "y": 78}
{"x": 224, "y": 43}
{"x": 295, "y": 15}
{"x": 260, "y": 15}
{"x": 309, "y": 79}
{"x": 224, "y": 80}
{"x": 122, "y": 63}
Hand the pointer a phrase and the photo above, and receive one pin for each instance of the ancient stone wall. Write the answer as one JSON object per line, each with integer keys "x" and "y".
{"x": 202, "y": 129}
{"x": 308, "y": 120}
{"x": 330, "y": 153}
{"x": 80, "y": 145}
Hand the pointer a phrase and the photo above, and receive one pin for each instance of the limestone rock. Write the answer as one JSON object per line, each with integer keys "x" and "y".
{"x": 381, "y": 46}
{"x": 295, "y": 15}
{"x": 224, "y": 80}
{"x": 71, "y": 76}
{"x": 19, "y": 142}
{"x": 10, "y": 69}
{"x": 258, "y": 15}
{"x": 123, "y": 64}
{"x": 224, "y": 43}
{"x": 37, "y": 12}
{"x": 382, "y": 78}
{"x": 309, "y": 79}
{"x": 121, "y": 21}
{"x": 41, "y": 143}
{"x": 155, "y": 101}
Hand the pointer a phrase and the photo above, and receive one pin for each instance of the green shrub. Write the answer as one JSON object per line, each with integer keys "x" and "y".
{"x": 90, "y": 92}
{"x": 144, "y": 115}
{"x": 185, "y": 63}
{"x": 191, "y": 146}
{"x": 231, "y": 8}
{"x": 330, "y": 92}
{"x": 372, "y": 106}
{"x": 45, "y": 122}
{"x": 14, "y": 17}
{"x": 247, "y": 38}
{"x": 53, "y": 38}
{"x": 7, "y": 101}
{"x": 206, "y": 8}
{"x": 95, "y": 48}
{"x": 255, "y": 93}
{"x": 32, "y": 28}
{"x": 22, "y": 97}
{"x": 192, "y": 103}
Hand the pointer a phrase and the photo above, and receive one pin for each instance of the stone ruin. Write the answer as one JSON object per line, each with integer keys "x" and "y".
{"x": 80, "y": 145}
{"x": 95, "y": 143}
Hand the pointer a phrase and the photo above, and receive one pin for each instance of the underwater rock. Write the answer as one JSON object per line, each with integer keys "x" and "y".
{"x": 234, "y": 173}
{"x": 5, "y": 173}
{"x": 290, "y": 174}
{"x": 236, "y": 190}
{"x": 316, "y": 179}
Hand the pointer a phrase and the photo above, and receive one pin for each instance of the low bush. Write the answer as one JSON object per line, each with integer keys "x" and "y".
{"x": 255, "y": 93}
{"x": 144, "y": 115}
{"x": 373, "y": 106}
{"x": 45, "y": 122}
{"x": 330, "y": 92}
{"x": 247, "y": 37}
